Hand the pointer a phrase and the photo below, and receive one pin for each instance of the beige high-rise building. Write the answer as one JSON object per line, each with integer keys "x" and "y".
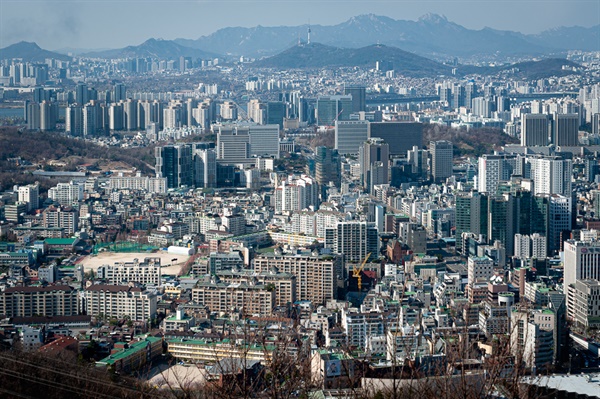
{"x": 317, "y": 277}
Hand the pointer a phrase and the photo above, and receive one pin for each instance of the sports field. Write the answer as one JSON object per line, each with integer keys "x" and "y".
{"x": 169, "y": 266}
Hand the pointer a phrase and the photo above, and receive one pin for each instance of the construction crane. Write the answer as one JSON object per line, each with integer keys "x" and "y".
{"x": 356, "y": 273}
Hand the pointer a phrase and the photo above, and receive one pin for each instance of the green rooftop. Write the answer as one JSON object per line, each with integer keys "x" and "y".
{"x": 133, "y": 348}
{"x": 60, "y": 241}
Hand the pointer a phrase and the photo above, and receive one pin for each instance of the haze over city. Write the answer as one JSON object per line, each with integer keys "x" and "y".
{"x": 57, "y": 24}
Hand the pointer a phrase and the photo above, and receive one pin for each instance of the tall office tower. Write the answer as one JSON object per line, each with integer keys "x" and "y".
{"x": 535, "y": 130}
{"x": 332, "y": 109}
{"x": 582, "y": 263}
{"x": 591, "y": 168}
{"x": 359, "y": 97}
{"x": 30, "y": 194}
{"x": 90, "y": 119}
{"x": 48, "y": 115}
{"x": 115, "y": 117}
{"x": 501, "y": 221}
{"x": 130, "y": 119}
{"x": 441, "y": 160}
{"x": 233, "y": 145}
{"x": 374, "y": 156}
{"x": 327, "y": 167}
{"x": 81, "y": 94}
{"x": 401, "y": 136}
{"x": 417, "y": 158}
{"x": 493, "y": 169}
{"x": 354, "y": 240}
{"x": 595, "y": 119}
{"x": 74, "y": 120}
{"x": 172, "y": 117}
{"x": 205, "y": 167}
{"x": 264, "y": 140}
{"x": 119, "y": 92}
{"x": 349, "y": 136}
{"x": 471, "y": 216}
{"x": 560, "y": 218}
{"x": 565, "y": 130}
{"x": 551, "y": 175}
{"x": 174, "y": 162}
{"x": 228, "y": 111}
{"x": 275, "y": 113}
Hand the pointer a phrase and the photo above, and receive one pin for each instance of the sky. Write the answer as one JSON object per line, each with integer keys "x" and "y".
{"x": 99, "y": 24}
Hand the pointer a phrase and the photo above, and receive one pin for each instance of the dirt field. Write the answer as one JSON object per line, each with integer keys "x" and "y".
{"x": 109, "y": 258}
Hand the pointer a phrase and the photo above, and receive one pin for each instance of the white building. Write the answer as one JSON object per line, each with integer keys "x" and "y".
{"x": 551, "y": 175}
{"x": 30, "y": 195}
{"x": 66, "y": 193}
{"x": 296, "y": 193}
{"x": 582, "y": 262}
{"x": 119, "y": 301}
{"x": 146, "y": 272}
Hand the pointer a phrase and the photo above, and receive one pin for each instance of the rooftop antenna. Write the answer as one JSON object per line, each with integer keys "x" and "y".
{"x": 308, "y": 41}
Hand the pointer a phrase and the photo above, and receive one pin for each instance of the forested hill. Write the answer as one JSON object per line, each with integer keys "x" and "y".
{"x": 39, "y": 148}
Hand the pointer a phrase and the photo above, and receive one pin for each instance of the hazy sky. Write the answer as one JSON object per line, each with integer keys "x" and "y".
{"x": 55, "y": 24}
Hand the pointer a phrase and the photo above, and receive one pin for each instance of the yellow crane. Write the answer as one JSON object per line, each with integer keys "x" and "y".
{"x": 356, "y": 273}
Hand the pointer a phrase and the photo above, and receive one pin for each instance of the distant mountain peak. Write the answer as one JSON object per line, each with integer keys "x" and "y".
{"x": 433, "y": 18}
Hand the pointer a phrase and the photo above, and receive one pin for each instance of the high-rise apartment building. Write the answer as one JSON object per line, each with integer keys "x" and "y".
{"x": 551, "y": 175}
{"x": 318, "y": 277}
{"x": 57, "y": 300}
{"x": 30, "y": 194}
{"x": 353, "y": 239}
{"x": 119, "y": 301}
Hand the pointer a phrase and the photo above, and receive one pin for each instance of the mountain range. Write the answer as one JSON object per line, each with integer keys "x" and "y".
{"x": 431, "y": 35}
{"x": 30, "y": 52}
{"x": 154, "y": 48}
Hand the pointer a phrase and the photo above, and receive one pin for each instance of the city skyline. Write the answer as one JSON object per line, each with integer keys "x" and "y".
{"x": 65, "y": 24}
